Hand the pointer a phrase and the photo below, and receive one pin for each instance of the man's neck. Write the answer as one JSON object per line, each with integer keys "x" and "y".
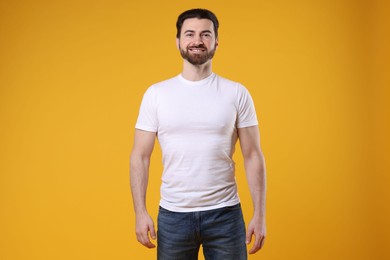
{"x": 196, "y": 72}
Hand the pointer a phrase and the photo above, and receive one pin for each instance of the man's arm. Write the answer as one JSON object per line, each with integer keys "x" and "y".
{"x": 139, "y": 173}
{"x": 255, "y": 171}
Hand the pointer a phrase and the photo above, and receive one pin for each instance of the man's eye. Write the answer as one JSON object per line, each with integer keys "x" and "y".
{"x": 189, "y": 35}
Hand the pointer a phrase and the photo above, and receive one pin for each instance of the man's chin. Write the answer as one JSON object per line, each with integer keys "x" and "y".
{"x": 197, "y": 62}
{"x": 197, "y": 59}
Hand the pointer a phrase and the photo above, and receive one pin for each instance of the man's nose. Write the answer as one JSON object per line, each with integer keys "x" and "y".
{"x": 198, "y": 39}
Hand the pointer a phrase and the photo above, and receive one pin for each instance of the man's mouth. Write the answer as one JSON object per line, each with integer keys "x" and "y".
{"x": 196, "y": 49}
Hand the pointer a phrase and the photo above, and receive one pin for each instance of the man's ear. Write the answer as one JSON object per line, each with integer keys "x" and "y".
{"x": 178, "y": 43}
{"x": 216, "y": 43}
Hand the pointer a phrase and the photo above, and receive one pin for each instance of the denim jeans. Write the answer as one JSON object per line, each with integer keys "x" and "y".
{"x": 221, "y": 232}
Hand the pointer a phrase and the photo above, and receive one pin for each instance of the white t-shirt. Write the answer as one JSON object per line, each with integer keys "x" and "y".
{"x": 196, "y": 124}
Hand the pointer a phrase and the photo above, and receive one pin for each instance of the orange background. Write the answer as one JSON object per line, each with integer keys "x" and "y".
{"x": 72, "y": 75}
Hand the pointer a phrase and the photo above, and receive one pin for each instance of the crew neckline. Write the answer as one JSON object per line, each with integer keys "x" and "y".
{"x": 197, "y": 82}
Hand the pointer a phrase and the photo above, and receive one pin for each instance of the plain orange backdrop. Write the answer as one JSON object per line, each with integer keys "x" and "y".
{"x": 72, "y": 75}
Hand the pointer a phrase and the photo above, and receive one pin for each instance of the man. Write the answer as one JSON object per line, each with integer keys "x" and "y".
{"x": 198, "y": 117}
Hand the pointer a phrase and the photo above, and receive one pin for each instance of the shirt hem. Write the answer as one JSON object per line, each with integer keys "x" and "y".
{"x": 194, "y": 209}
{"x": 146, "y": 128}
{"x": 242, "y": 125}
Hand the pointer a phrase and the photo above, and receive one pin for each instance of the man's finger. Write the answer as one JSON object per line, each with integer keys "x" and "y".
{"x": 257, "y": 244}
{"x": 248, "y": 238}
{"x": 254, "y": 249}
{"x": 144, "y": 240}
{"x": 152, "y": 232}
{"x": 262, "y": 242}
{"x": 149, "y": 244}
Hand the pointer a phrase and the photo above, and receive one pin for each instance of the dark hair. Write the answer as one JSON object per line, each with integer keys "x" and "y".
{"x": 197, "y": 13}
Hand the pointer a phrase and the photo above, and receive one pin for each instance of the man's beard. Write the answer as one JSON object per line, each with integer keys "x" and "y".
{"x": 197, "y": 58}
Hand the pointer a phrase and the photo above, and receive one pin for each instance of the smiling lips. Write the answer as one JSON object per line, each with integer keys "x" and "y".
{"x": 196, "y": 49}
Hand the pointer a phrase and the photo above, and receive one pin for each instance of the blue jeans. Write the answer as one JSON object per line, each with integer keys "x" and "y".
{"x": 221, "y": 232}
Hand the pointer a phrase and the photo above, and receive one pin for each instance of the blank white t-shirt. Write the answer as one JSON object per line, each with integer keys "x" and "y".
{"x": 196, "y": 124}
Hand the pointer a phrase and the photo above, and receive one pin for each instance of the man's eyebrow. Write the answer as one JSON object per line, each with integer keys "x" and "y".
{"x": 192, "y": 31}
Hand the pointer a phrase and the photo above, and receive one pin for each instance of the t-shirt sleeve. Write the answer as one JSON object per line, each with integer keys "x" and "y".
{"x": 147, "y": 117}
{"x": 246, "y": 110}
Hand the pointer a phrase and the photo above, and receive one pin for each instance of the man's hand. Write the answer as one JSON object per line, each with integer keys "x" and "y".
{"x": 256, "y": 227}
{"x": 143, "y": 228}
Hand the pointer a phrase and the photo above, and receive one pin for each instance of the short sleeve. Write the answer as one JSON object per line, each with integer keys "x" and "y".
{"x": 147, "y": 117}
{"x": 246, "y": 110}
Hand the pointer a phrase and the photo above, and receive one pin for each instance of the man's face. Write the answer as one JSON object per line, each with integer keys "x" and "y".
{"x": 197, "y": 41}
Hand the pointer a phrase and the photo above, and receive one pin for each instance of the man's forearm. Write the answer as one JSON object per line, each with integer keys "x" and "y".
{"x": 256, "y": 177}
{"x": 139, "y": 172}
